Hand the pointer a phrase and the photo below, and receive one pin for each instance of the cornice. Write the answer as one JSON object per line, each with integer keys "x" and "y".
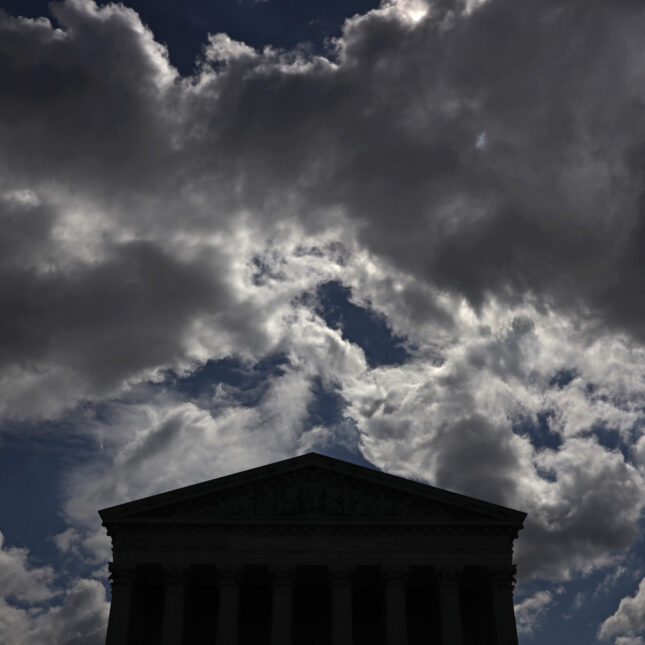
{"x": 303, "y": 528}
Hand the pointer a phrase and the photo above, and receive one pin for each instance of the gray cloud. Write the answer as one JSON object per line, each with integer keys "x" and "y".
{"x": 546, "y": 207}
{"x": 383, "y": 137}
{"x": 79, "y": 101}
{"x": 98, "y": 325}
{"x": 458, "y": 424}
{"x": 467, "y": 448}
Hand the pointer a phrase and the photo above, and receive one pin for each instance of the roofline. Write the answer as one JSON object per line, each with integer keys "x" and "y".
{"x": 296, "y": 522}
{"x": 115, "y": 513}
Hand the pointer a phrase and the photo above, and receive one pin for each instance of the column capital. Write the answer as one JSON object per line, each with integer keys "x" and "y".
{"x": 176, "y": 574}
{"x": 448, "y": 576}
{"x": 340, "y": 576}
{"x": 121, "y": 575}
{"x": 283, "y": 576}
{"x": 395, "y": 576}
{"x": 503, "y": 577}
{"x": 229, "y": 576}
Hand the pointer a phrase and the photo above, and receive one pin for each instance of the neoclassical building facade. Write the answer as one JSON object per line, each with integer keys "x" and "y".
{"x": 311, "y": 551}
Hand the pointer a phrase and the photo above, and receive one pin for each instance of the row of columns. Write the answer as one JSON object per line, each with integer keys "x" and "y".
{"x": 122, "y": 578}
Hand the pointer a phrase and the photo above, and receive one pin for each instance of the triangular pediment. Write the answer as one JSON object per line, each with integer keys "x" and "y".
{"x": 311, "y": 488}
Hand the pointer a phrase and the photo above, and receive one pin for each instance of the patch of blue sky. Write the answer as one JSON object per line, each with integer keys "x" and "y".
{"x": 327, "y": 405}
{"x": 562, "y": 378}
{"x": 184, "y": 26}
{"x": 538, "y": 430}
{"x": 609, "y": 438}
{"x": 244, "y": 383}
{"x": 33, "y": 466}
{"x": 327, "y": 409}
{"x": 265, "y": 271}
{"x": 360, "y": 326}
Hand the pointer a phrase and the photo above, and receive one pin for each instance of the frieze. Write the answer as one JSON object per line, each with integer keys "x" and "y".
{"x": 358, "y": 542}
{"x": 143, "y": 535}
{"x": 165, "y": 540}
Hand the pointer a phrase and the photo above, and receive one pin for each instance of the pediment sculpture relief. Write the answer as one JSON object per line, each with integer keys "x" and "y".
{"x": 314, "y": 495}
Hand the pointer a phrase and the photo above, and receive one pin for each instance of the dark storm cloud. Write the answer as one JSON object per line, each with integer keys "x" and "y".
{"x": 466, "y": 451}
{"x": 548, "y": 204}
{"x": 106, "y": 322}
{"x": 83, "y": 107}
{"x": 26, "y": 227}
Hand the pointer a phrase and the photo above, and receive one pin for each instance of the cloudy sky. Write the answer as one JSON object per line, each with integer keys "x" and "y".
{"x": 410, "y": 235}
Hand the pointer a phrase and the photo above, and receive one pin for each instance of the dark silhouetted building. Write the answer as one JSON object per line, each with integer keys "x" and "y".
{"x": 312, "y": 551}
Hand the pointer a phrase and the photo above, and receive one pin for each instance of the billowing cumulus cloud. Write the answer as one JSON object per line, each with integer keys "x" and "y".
{"x": 628, "y": 621}
{"x": 472, "y": 171}
{"x": 494, "y": 400}
{"x": 20, "y": 581}
{"x": 78, "y": 615}
{"x": 80, "y": 620}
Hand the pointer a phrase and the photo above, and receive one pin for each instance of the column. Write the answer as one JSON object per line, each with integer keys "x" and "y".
{"x": 451, "y": 633}
{"x": 121, "y": 581}
{"x": 395, "y": 607}
{"x": 227, "y": 616}
{"x": 282, "y": 606}
{"x": 503, "y": 584}
{"x": 175, "y": 578}
{"x": 341, "y": 606}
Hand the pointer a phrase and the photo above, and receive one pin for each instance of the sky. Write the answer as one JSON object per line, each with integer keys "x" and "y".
{"x": 410, "y": 235}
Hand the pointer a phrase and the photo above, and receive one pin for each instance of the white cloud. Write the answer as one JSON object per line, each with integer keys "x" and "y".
{"x": 81, "y": 619}
{"x": 531, "y": 610}
{"x": 20, "y": 581}
{"x": 627, "y": 623}
{"x": 27, "y": 617}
